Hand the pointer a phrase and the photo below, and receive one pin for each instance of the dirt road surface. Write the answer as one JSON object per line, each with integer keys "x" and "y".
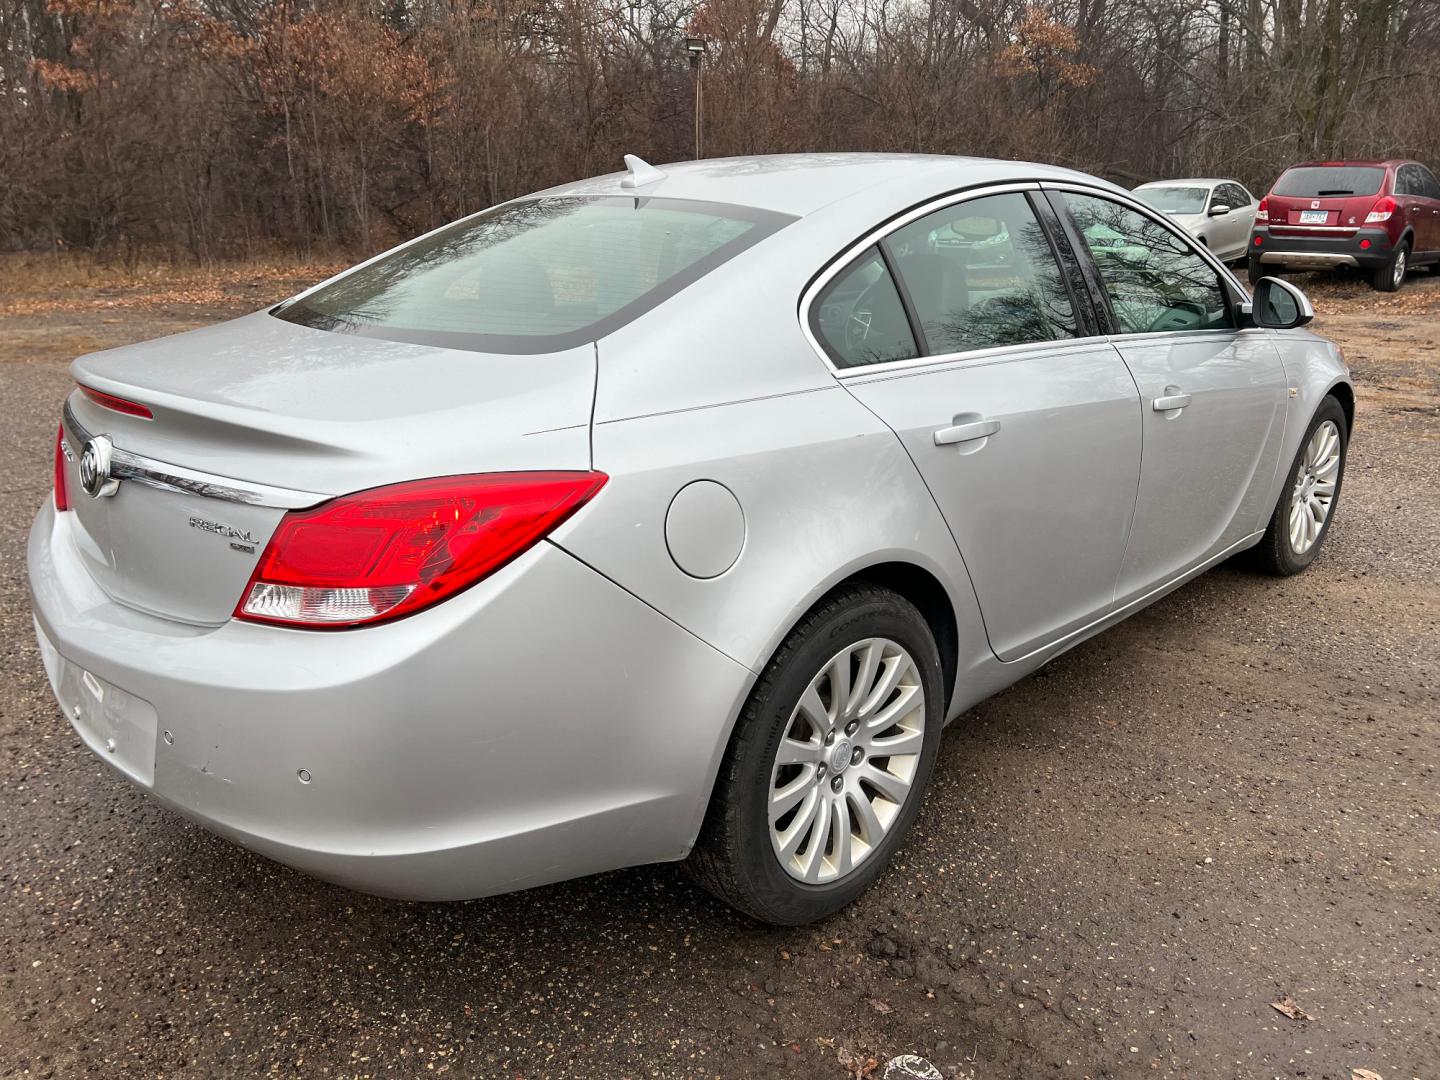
{"x": 1123, "y": 861}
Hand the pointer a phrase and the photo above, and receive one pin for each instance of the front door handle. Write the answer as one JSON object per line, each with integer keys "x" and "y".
{"x": 1170, "y": 402}
{"x": 960, "y": 433}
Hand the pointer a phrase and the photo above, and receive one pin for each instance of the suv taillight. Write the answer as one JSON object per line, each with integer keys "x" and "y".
{"x": 62, "y": 496}
{"x": 1262, "y": 212}
{"x": 1381, "y": 211}
{"x": 390, "y": 551}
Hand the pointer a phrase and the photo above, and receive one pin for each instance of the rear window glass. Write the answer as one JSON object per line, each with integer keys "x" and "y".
{"x": 535, "y": 276}
{"x": 1325, "y": 181}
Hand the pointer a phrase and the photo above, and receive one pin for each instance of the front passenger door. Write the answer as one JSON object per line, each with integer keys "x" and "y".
{"x": 1212, "y": 395}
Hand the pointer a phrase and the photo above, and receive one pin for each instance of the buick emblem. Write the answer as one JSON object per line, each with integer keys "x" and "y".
{"x": 94, "y": 468}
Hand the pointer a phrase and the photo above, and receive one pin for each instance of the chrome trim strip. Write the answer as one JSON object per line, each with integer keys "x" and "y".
{"x": 1304, "y": 258}
{"x": 166, "y": 477}
{"x": 1240, "y": 294}
{"x": 897, "y": 368}
{"x": 1317, "y": 228}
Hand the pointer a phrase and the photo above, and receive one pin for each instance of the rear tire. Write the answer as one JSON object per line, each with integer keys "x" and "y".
{"x": 1390, "y": 276}
{"x": 1254, "y": 270}
{"x": 786, "y": 866}
{"x": 1291, "y": 541}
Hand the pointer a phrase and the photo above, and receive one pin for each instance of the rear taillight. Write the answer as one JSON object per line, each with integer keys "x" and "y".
{"x": 390, "y": 551}
{"x": 118, "y": 404}
{"x": 1381, "y": 211}
{"x": 62, "y": 496}
{"x": 1262, "y": 212}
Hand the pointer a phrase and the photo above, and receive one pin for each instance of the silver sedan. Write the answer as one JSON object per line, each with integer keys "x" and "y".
{"x": 667, "y": 514}
{"x": 1218, "y": 213}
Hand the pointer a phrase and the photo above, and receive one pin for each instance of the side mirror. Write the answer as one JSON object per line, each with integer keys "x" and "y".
{"x": 1278, "y": 305}
{"x": 1219, "y": 208}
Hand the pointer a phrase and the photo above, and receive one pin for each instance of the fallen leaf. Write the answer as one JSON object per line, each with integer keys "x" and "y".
{"x": 880, "y": 1006}
{"x": 1364, "y": 1074}
{"x": 1286, "y": 1006}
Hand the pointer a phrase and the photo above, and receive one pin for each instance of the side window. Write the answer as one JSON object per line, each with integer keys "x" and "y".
{"x": 1430, "y": 187}
{"x": 1220, "y": 197}
{"x": 1242, "y": 197}
{"x": 1156, "y": 282}
{"x": 1405, "y": 181}
{"x": 859, "y": 318}
{"x": 1235, "y": 196}
{"x": 981, "y": 274}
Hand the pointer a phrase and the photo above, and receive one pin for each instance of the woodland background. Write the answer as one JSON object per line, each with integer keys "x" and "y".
{"x": 210, "y": 129}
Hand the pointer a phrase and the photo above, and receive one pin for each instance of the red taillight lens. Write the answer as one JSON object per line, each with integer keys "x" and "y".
{"x": 1262, "y": 212}
{"x": 62, "y": 496}
{"x": 118, "y": 404}
{"x": 390, "y": 551}
{"x": 1381, "y": 211}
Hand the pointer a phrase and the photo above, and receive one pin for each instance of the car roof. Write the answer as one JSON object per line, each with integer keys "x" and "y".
{"x": 1193, "y": 181}
{"x": 801, "y": 184}
{"x": 1372, "y": 163}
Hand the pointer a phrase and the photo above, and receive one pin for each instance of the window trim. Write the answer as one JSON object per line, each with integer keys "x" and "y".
{"x": 1236, "y": 296}
{"x": 875, "y": 237}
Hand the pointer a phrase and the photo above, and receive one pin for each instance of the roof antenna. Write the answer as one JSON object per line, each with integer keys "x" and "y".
{"x": 640, "y": 173}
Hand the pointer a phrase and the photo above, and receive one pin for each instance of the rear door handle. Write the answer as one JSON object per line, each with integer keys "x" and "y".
{"x": 1170, "y": 402}
{"x": 960, "y": 433}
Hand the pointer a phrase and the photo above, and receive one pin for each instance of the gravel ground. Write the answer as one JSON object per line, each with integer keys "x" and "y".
{"x": 1123, "y": 861}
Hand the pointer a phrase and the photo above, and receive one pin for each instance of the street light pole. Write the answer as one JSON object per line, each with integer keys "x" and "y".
{"x": 695, "y": 49}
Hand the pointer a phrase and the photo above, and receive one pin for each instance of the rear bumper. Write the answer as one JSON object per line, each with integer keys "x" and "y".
{"x": 542, "y": 725}
{"x": 1320, "y": 251}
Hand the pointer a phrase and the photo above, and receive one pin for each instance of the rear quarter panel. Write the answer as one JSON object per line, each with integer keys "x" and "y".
{"x": 826, "y": 490}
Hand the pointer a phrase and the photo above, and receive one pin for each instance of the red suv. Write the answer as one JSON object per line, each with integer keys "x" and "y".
{"x": 1380, "y": 215}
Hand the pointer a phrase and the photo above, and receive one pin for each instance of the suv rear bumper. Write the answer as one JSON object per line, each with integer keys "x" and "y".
{"x": 1321, "y": 251}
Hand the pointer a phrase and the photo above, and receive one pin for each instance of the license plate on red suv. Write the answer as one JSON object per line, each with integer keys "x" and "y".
{"x": 1313, "y": 217}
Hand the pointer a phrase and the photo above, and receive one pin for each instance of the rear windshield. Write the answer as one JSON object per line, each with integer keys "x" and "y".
{"x": 1175, "y": 200}
{"x": 1326, "y": 181}
{"x": 535, "y": 276}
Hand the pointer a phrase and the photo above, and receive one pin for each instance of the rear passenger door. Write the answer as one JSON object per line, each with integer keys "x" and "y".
{"x": 1212, "y": 395}
{"x": 963, "y": 333}
{"x": 1427, "y": 217}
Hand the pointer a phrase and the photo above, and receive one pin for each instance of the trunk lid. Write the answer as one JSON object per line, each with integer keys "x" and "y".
{"x": 257, "y": 415}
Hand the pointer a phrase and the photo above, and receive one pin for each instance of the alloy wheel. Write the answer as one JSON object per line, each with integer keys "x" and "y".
{"x": 1399, "y": 271}
{"x": 847, "y": 761}
{"x": 1314, "y": 490}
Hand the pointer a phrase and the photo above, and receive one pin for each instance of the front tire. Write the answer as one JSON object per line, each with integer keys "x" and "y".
{"x": 1390, "y": 276}
{"x": 826, "y": 767}
{"x": 1302, "y": 517}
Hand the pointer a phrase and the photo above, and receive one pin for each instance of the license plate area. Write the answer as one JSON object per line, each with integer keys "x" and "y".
{"x": 116, "y": 725}
{"x": 1314, "y": 217}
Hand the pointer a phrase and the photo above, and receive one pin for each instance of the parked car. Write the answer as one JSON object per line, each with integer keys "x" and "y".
{"x": 1381, "y": 216}
{"x": 667, "y": 513}
{"x": 1218, "y": 213}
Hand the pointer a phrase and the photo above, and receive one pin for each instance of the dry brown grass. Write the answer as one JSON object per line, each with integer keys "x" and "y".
{"x": 30, "y": 273}
{"x": 34, "y": 284}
